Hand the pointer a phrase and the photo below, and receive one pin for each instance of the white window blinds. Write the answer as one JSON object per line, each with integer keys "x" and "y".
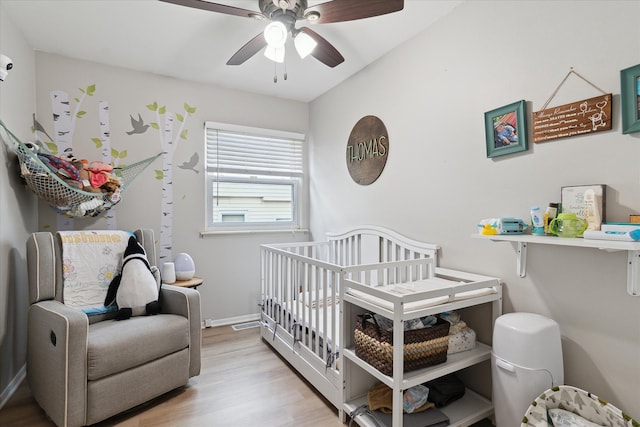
{"x": 250, "y": 152}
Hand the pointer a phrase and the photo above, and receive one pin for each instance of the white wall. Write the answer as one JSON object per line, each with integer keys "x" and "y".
{"x": 432, "y": 94}
{"x": 17, "y": 207}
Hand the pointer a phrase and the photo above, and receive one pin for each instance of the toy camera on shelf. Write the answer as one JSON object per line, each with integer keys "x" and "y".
{"x": 504, "y": 225}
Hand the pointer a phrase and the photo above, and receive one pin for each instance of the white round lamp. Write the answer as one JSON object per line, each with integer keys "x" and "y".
{"x": 185, "y": 268}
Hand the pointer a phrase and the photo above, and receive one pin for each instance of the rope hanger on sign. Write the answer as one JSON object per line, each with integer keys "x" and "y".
{"x": 555, "y": 92}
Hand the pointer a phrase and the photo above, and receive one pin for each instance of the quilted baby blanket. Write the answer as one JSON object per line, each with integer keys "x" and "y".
{"x": 91, "y": 259}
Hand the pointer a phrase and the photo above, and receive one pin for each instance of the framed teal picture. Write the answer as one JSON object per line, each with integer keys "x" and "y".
{"x": 506, "y": 129}
{"x": 630, "y": 99}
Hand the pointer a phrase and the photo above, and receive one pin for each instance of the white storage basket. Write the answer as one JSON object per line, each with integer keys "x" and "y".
{"x": 582, "y": 403}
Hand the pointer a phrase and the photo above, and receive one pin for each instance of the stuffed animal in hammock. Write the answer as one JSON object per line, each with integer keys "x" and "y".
{"x": 136, "y": 289}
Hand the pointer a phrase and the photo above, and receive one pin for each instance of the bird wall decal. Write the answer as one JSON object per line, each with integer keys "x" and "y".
{"x": 190, "y": 165}
{"x": 138, "y": 125}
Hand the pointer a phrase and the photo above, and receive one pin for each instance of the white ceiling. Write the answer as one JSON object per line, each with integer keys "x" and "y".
{"x": 192, "y": 44}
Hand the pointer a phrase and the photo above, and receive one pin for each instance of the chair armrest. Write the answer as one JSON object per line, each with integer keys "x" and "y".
{"x": 45, "y": 279}
{"x": 185, "y": 302}
{"x": 57, "y": 360}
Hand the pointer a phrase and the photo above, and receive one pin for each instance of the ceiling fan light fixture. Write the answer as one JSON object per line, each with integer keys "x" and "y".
{"x": 275, "y": 34}
{"x": 283, "y": 16}
{"x": 276, "y": 54}
{"x": 304, "y": 44}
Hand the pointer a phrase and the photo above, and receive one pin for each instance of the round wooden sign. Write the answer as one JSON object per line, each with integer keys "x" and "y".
{"x": 367, "y": 150}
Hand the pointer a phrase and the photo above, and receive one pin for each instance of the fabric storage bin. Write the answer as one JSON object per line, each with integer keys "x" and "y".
{"x": 422, "y": 347}
{"x": 576, "y": 401}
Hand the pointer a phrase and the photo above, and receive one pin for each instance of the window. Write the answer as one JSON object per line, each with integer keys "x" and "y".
{"x": 254, "y": 177}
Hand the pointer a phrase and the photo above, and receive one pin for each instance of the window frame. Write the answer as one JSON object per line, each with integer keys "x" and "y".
{"x": 212, "y": 176}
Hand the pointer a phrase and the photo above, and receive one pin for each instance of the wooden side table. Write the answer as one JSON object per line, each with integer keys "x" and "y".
{"x": 194, "y": 282}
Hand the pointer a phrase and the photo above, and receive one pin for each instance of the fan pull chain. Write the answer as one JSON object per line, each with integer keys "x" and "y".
{"x": 275, "y": 72}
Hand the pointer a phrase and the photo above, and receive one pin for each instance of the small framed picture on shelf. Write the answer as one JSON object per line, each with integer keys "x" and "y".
{"x": 506, "y": 129}
{"x": 584, "y": 200}
{"x": 630, "y": 99}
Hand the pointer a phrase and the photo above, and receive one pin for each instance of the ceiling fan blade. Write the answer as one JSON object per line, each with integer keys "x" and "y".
{"x": 349, "y": 10}
{"x": 252, "y": 47}
{"x": 215, "y": 7}
{"x": 324, "y": 51}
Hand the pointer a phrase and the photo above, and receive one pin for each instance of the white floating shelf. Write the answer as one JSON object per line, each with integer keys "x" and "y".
{"x": 632, "y": 248}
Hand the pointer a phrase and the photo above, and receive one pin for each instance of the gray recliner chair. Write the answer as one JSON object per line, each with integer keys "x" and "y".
{"x": 82, "y": 368}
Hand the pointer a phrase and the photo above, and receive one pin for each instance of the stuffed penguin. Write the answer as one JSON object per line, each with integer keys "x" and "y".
{"x": 137, "y": 288}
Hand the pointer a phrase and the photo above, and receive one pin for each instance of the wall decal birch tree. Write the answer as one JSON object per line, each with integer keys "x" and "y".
{"x": 103, "y": 143}
{"x": 64, "y": 123}
{"x": 165, "y": 124}
{"x": 62, "y": 145}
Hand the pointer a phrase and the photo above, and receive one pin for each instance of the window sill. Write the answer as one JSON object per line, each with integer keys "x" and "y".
{"x": 206, "y": 233}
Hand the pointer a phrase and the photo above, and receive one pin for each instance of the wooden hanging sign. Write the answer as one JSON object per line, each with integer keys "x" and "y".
{"x": 578, "y": 118}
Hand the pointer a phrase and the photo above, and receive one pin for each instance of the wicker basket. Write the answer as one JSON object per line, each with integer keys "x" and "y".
{"x": 422, "y": 347}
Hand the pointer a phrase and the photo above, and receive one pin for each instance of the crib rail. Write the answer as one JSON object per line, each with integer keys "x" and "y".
{"x": 300, "y": 296}
{"x": 389, "y": 273}
{"x": 370, "y": 244}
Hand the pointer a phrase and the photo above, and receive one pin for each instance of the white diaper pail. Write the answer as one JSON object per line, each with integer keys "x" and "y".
{"x": 526, "y": 360}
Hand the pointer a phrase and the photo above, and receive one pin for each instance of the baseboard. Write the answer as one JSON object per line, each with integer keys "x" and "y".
{"x": 13, "y": 386}
{"x": 210, "y": 323}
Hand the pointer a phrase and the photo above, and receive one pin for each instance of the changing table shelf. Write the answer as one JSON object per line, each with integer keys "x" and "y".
{"x": 455, "y": 362}
{"x": 632, "y": 248}
{"x": 470, "y": 409}
{"x": 446, "y": 290}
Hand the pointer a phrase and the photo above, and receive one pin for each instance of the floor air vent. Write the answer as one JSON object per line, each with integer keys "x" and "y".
{"x": 243, "y": 326}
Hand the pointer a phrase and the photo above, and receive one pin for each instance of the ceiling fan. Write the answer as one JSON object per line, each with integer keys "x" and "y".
{"x": 284, "y": 14}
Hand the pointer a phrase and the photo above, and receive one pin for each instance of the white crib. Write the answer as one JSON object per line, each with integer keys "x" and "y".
{"x": 301, "y": 285}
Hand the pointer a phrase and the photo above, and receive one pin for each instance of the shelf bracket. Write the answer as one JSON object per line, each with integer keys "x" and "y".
{"x": 522, "y": 259}
{"x": 633, "y": 273}
{"x": 632, "y": 249}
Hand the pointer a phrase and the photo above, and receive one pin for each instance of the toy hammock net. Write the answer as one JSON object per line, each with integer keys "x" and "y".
{"x": 64, "y": 198}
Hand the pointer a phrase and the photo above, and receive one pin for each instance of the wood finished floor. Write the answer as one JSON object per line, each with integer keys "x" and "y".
{"x": 243, "y": 383}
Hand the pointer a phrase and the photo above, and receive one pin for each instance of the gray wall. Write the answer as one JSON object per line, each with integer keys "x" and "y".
{"x": 17, "y": 207}
{"x": 432, "y": 93}
{"x": 231, "y": 290}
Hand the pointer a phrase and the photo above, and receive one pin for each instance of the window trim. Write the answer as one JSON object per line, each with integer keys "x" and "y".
{"x": 297, "y": 182}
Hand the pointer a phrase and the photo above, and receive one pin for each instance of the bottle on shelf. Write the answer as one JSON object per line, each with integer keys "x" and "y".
{"x": 549, "y": 215}
{"x": 537, "y": 225}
